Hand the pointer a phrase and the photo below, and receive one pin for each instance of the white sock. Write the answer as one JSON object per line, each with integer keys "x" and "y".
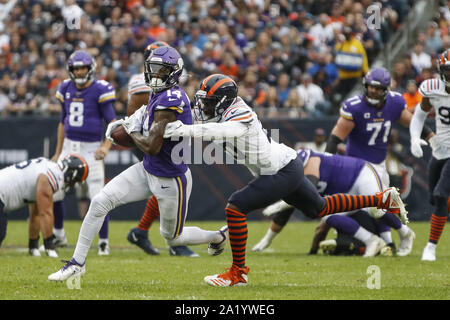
{"x": 270, "y": 235}
{"x": 91, "y": 225}
{"x": 194, "y": 236}
{"x": 100, "y": 240}
{"x": 386, "y": 236}
{"x": 403, "y": 231}
{"x": 59, "y": 233}
{"x": 363, "y": 235}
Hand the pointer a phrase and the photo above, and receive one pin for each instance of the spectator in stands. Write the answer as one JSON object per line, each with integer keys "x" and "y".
{"x": 21, "y": 101}
{"x": 312, "y": 97}
{"x": 351, "y": 60}
{"x": 419, "y": 58}
{"x": 324, "y": 72}
{"x": 294, "y": 106}
{"x": 412, "y": 95}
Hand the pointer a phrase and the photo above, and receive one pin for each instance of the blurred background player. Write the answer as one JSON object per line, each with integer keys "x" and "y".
{"x": 436, "y": 94}
{"x": 158, "y": 174}
{"x": 86, "y": 103}
{"x": 345, "y": 243}
{"x": 366, "y": 121}
{"x": 36, "y": 183}
{"x": 355, "y": 176}
{"x": 138, "y": 95}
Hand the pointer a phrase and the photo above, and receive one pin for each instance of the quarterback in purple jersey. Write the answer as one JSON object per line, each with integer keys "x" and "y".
{"x": 157, "y": 174}
{"x": 356, "y": 176}
{"x": 86, "y": 104}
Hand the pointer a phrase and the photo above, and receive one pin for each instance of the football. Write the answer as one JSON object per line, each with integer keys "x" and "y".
{"x": 122, "y": 138}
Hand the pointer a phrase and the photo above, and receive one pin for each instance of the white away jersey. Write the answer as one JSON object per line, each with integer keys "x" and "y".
{"x": 18, "y": 182}
{"x": 255, "y": 148}
{"x": 137, "y": 85}
{"x": 434, "y": 89}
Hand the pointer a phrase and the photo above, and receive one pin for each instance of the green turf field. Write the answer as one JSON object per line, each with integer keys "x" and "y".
{"x": 283, "y": 273}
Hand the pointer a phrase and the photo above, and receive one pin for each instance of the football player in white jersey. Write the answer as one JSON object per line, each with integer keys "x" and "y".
{"x": 37, "y": 183}
{"x": 138, "y": 95}
{"x": 227, "y": 120}
{"x": 436, "y": 94}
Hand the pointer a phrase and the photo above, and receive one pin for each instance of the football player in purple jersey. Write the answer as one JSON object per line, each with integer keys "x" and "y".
{"x": 138, "y": 95}
{"x": 87, "y": 103}
{"x": 366, "y": 121}
{"x": 356, "y": 176}
{"x": 158, "y": 174}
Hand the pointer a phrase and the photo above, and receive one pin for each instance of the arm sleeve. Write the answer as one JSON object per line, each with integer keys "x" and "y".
{"x": 212, "y": 131}
{"x": 417, "y": 122}
{"x": 108, "y": 111}
{"x": 332, "y": 144}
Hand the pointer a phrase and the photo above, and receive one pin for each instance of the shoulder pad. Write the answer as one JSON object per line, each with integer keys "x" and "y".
{"x": 172, "y": 100}
{"x": 432, "y": 87}
{"x": 239, "y": 111}
{"x": 137, "y": 85}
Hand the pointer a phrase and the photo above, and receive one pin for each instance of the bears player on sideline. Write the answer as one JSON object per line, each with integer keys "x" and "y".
{"x": 356, "y": 176}
{"x": 277, "y": 168}
{"x": 366, "y": 121}
{"x": 38, "y": 182}
{"x": 85, "y": 103}
{"x": 158, "y": 173}
{"x": 436, "y": 94}
{"x": 138, "y": 95}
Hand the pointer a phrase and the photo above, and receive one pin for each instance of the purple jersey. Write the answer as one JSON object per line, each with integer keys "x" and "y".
{"x": 83, "y": 111}
{"x": 369, "y": 138}
{"x": 337, "y": 173}
{"x": 176, "y": 100}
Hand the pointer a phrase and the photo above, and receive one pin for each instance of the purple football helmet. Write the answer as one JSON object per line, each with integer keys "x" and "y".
{"x": 163, "y": 68}
{"x": 377, "y": 77}
{"x": 81, "y": 59}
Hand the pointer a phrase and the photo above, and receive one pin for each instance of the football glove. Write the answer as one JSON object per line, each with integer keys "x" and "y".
{"x": 111, "y": 127}
{"x": 416, "y": 146}
{"x": 175, "y": 129}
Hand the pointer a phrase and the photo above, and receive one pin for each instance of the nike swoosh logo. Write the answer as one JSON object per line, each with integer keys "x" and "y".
{"x": 164, "y": 187}
{"x": 134, "y": 237}
{"x": 172, "y": 99}
{"x": 233, "y": 112}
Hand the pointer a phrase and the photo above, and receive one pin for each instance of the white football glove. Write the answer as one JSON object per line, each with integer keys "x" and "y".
{"x": 111, "y": 127}
{"x": 174, "y": 129}
{"x": 432, "y": 142}
{"x": 133, "y": 123}
{"x": 416, "y": 146}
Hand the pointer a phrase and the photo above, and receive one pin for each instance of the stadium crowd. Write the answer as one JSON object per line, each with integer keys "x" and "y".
{"x": 288, "y": 56}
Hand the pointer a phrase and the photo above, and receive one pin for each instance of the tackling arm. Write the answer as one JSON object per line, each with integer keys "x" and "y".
{"x": 152, "y": 144}
{"x": 207, "y": 131}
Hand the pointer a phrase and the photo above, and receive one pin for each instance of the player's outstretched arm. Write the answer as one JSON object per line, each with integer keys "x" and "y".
{"x": 153, "y": 142}
{"x": 206, "y": 131}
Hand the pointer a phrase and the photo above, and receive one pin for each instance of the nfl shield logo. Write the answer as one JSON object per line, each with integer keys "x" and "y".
{"x": 67, "y": 95}
{"x": 367, "y": 115}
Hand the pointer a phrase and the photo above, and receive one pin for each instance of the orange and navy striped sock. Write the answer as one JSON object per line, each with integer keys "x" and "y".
{"x": 342, "y": 202}
{"x": 437, "y": 224}
{"x": 448, "y": 205}
{"x": 237, "y": 229}
{"x": 151, "y": 213}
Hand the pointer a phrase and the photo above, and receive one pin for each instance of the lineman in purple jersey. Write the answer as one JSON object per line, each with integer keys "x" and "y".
{"x": 355, "y": 176}
{"x": 366, "y": 121}
{"x": 86, "y": 104}
{"x": 157, "y": 174}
